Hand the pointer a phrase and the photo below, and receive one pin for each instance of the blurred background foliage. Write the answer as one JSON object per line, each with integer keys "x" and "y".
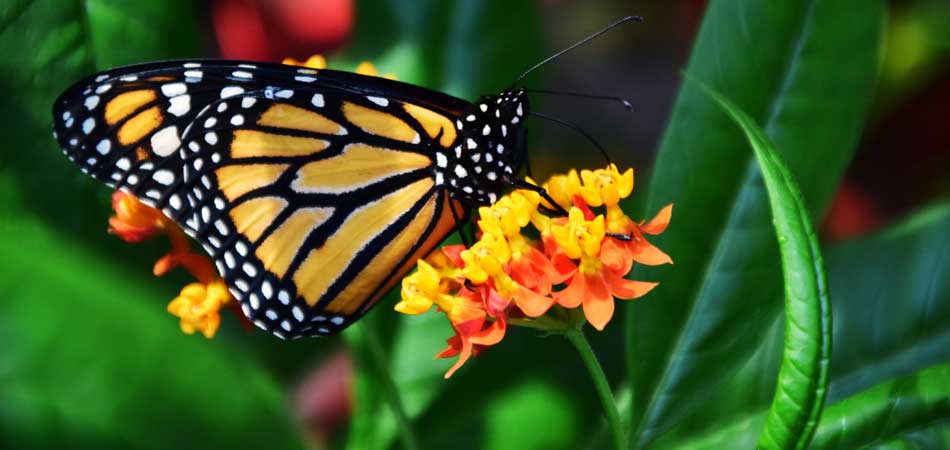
{"x": 855, "y": 95}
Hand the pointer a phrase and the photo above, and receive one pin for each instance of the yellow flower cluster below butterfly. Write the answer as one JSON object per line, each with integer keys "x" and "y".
{"x": 571, "y": 273}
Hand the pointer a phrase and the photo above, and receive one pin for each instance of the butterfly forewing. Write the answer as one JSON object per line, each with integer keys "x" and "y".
{"x": 312, "y": 193}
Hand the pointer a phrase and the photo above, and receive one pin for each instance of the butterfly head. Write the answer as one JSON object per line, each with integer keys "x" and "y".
{"x": 490, "y": 147}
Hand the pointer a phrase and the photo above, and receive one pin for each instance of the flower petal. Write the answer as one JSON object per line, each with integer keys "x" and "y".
{"x": 573, "y": 295}
{"x": 531, "y": 303}
{"x": 646, "y": 253}
{"x": 623, "y": 288}
{"x": 658, "y": 223}
{"x": 598, "y": 304}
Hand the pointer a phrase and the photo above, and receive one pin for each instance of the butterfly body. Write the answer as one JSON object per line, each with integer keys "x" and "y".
{"x": 313, "y": 191}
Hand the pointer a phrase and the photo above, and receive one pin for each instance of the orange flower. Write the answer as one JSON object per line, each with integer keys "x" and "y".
{"x": 135, "y": 221}
{"x": 198, "y": 304}
{"x": 638, "y": 248}
{"x": 471, "y": 338}
{"x": 507, "y": 277}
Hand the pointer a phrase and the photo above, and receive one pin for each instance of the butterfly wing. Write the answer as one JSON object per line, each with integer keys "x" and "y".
{"x": 313, "y": 191}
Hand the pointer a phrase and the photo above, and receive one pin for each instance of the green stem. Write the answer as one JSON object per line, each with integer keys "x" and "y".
{"x": 576, "y": 336}
{"x": 409, "y": 440}
{"x": 543, "y": 323}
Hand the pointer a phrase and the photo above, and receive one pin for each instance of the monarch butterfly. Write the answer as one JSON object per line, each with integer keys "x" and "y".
{"x": 313, "y": 191}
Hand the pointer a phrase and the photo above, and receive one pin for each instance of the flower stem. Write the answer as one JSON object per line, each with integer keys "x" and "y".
{"x": 408, "y": 436}
{"x": 576, "y": 336}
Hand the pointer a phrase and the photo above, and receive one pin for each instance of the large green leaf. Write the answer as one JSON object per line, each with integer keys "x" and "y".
{"x": 48, "y": 45}
{"x": 804, "y": 71}
{"x": 466, "y": 48}
{"x": 888, "y": 323}
{"x": 803, "y": 378}
{"x": 90, "y": 360}
{"x": 892, "y": 314}
{"x": 888, "y": 411}
{"x": 910, "y": 412}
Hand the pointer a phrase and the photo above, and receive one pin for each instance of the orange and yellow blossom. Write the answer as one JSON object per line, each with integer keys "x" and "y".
{"x": 199, "y": 303}
{"x": 508, "y": 277}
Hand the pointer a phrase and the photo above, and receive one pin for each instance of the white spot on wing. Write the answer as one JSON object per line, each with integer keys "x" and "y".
{"x": 91, "y": 102}
{"x": 180, "y": 105}
{"x": 174, "y": 89}
{"x": 104, "y": 146}
{"x": 317, "y": 100}
{"x": 249, "y": 269}
{"x": 166, "y": 141}
{"x": 231, "y": 91}
{"x": 164, "y": 176}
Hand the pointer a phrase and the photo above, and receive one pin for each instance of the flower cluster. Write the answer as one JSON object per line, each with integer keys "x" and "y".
{"x": 198, "y": 304}
{"x": 535, "y": 266}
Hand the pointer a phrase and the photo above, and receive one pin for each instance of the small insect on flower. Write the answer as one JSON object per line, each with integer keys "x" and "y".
{"x": 508, "y": 277}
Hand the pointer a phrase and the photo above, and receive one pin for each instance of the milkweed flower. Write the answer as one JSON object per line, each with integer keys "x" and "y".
{"x": 199, "y": 303}
{"x": 532, "y": 266}
{"x": 197, "y": 306}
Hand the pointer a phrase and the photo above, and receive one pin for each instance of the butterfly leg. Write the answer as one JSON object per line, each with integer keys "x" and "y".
{"x": 521, "y": 184}
{"x": 460, "y": 226}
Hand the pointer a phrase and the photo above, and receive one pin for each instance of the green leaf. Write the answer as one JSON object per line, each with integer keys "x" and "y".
{"x": 912, "y": 411}
{"x": 803, "y": 378}
{"x": 513, "y": 418}
{"x": 90, "y": 360}
{"x": 466, "y": 48}
{"x": 888, "y": 323}
{"x": 804, "y": 71}
{"x": 50, "y": 44}
{"x": 888, "y": 412}
{"x": 408, "y": 358}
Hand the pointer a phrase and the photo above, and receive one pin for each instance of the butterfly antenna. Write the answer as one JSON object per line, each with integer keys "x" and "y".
{"x": 576, "y": 129}
{"x": 624, "y": 102}
{"x": 579, "y": 43}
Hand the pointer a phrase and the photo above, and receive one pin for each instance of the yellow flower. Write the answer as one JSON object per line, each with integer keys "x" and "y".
{"x": 579, "y": 237}
{"x": 606, "y": 186}
{"x": 508, "y": 215}
{"x": 419, "y": 290}
{"x": 563, "y": 188}
{"x": 197, "y": 306}
{"x": 314, "y": 62}
{"x": 486, "y": 258}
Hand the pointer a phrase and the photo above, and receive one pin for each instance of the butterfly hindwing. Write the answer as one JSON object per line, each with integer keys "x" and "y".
{"x": 312, "y": 198}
